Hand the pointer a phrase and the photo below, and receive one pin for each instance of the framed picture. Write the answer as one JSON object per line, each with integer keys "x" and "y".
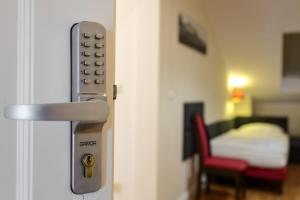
{"x": 192, "y": 34}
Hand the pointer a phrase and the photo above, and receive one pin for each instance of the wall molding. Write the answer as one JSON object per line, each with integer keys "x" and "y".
{"x": 25, "y": 64}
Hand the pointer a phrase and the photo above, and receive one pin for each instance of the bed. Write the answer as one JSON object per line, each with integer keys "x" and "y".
{"x": 263, "y": 144}
{"x": 260, "y": 144}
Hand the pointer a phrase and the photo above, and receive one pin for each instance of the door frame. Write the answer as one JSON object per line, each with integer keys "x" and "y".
{"x": 25, "y": 84}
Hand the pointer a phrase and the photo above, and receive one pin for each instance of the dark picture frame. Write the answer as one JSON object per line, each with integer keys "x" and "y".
{"x": 192, "y": 34}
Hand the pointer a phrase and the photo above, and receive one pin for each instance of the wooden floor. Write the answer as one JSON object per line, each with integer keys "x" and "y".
{"x": 291, "y": 190}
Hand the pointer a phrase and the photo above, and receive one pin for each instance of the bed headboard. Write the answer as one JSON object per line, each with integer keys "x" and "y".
{"x": 220, "y": 127}
{"x": 280, "y": 121}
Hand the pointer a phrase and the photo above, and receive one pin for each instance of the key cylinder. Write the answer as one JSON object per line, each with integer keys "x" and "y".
{"x": 89, "y": 162}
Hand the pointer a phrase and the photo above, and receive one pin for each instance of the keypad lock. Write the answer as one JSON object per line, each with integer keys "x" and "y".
{"x": 88, "y": 50}
{"x": 88, "y": 110}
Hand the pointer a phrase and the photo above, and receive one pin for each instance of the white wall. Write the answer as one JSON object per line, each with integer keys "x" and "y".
{"x": 289, "y": 109}
{"x": 249, "y": 34}
{"x": 185, "y": 76}
{"x": 156, "y": 75}
{"x": 136, "y": 109}
{"x": 245, "y": 107}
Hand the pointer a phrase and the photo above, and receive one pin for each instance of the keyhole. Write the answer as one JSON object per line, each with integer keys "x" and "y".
{"x": 89, "y": 159}
{"x": 88, "y": 162}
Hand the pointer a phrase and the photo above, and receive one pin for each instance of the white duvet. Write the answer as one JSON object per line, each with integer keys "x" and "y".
{"x": 262, "y": 145}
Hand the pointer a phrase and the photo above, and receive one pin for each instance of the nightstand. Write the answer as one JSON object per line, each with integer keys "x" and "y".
{"x": 294, "y": 157}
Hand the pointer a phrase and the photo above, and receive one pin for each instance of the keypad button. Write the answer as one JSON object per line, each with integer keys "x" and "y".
{"x": 86, "y": 53}
{"x": 86, "y": 81}
{"x": 98, "y": 54}
{"x": 98, "y": 63}
{"x": 99, "y": 45}
{"x": 99, "y": 72}
{"x": 99, "y": 36}
{"x": 87, "y": 35}
{"x": 97, "y": 81}
{"x": 86, "y": 72}
{"x": 86, "y": 44}
{"x": 86, "y": 63}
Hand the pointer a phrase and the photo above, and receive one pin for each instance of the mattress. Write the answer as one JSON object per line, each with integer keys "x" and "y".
{"x": 261, "y": 145}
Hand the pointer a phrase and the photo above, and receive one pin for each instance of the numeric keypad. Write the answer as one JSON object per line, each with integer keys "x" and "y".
{"x": 92, "y": 52}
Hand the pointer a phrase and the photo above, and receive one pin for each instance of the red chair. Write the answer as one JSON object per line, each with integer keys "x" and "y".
{"x": 276, "y": 175}
{"x": 218, "y": 166}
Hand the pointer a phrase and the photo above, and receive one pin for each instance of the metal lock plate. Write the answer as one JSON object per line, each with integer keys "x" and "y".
{"x": 88, "y": 84}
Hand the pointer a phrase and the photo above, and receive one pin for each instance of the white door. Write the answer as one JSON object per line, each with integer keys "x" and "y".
{"x": 35, "y": 68}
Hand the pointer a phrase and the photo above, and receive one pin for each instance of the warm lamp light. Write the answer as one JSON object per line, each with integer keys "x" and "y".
{"x": 236, "y": 81}
{"x": 237, "y": 95}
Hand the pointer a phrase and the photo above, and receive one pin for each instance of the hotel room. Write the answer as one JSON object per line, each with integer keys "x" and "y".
{"x": 150, "y": 100}
{"x": 224, "y": 85}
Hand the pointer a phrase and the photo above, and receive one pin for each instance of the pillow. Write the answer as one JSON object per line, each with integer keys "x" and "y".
{"x": 261, "y": 128}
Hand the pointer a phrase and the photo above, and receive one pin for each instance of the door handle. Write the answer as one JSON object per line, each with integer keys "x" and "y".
{"x": 86, "y": 111}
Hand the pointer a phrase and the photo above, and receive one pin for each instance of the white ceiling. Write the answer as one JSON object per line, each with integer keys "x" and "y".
{"x": 249, "y": 35}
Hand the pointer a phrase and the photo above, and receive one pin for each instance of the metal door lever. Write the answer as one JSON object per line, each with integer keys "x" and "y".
{"x": 87, "y": 111}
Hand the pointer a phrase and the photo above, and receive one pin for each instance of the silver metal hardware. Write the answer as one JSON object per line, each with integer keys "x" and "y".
{"x": 99, "y": 36}
{"x": 98, "y": 54}
{"x": 86, "y": 137}
{"x": 86, "y": 81}
{"x": 97, "y": 81}
{"x": 99, "y": 72}
{"x": 86, "y": 72}
{"x": 87, "y": 112}
{"x": 99, "y": 45}
{"x": 86, "y": 44}
{"x": 86, "y": 63}
{"x": 87, "y": 35}
{"x": 98, "y": 63}
{"x": 86, "y": 53}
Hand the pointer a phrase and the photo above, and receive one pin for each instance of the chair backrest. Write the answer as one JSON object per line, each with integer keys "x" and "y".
{"x": 202, "y": 135}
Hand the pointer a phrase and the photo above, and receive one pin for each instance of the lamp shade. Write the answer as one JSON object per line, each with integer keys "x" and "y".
{"x": 237, "y": 95}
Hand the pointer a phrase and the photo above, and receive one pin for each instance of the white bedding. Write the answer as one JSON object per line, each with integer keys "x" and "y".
{"x": 262, "y": 145}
